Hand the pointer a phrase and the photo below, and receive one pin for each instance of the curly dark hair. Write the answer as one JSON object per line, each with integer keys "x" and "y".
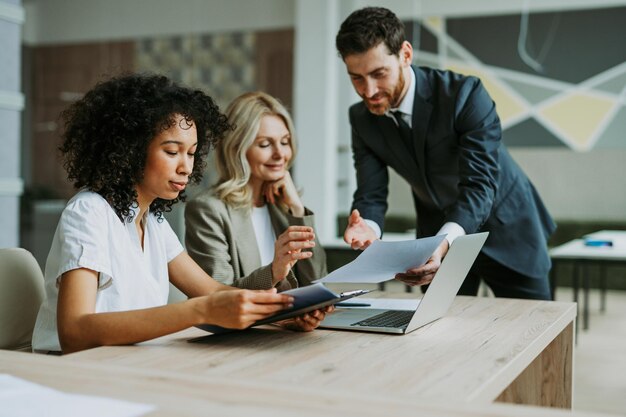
{"x": 108, "y": 131}
{"x": 365, "y": 28}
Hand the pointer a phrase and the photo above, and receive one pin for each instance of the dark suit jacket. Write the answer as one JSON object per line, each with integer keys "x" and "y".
{"x": 221, "y": 240}
{"x": 461, "y": 171}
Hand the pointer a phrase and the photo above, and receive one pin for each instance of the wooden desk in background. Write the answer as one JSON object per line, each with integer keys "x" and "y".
{"x": 184, "y": 394}
{"x": 484, "y": 350}
{"x": 581, "y": 256}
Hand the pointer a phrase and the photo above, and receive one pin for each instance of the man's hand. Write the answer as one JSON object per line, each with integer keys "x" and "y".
{"x": 424, "y": 274}
{"x": 358, "y": 234}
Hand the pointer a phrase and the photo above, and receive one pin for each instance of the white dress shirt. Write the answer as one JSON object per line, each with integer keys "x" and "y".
{"x": 264, "y": 233}
{"x": 452, "y": 230}
{"x": 91, "y": 235}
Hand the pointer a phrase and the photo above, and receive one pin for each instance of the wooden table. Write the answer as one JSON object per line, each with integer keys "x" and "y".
{"x": 581, "y": 256}
{"x": 485, "y": 350}
{"x": 187, "y": 394}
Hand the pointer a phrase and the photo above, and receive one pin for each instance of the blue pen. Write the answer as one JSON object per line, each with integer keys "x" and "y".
{"x": 598, "y": 242}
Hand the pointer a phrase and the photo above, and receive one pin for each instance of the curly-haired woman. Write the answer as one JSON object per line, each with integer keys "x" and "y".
{"x": 252, "y": 230}
{"x": 132, "y": 144}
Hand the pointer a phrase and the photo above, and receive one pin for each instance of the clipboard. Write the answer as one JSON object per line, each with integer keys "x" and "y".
{"x": 306, "y": 299}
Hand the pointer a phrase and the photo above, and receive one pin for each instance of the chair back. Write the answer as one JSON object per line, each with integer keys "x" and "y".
{"x": 21, "y": 295}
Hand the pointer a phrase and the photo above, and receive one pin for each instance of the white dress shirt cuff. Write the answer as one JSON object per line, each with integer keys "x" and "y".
{"x": 375, "y": 227}
{"x": 452, "y": 231}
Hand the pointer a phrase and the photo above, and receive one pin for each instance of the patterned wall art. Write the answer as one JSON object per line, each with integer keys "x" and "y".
{"x": 223, "y": 65}
{"x": 558, "y": 78}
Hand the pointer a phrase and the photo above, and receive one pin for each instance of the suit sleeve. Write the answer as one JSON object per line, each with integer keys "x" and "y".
{"x": 210, "y": 242}
{"x": 308, "y": 270}
{"x": 372, "y": 178}
{"x": 479, "y": 136}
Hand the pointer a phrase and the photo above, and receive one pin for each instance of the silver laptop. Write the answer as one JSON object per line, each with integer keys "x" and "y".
{"x": 433, "y": 305}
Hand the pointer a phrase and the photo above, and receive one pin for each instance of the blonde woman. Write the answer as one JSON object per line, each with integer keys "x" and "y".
{"x": 252, "y": 230}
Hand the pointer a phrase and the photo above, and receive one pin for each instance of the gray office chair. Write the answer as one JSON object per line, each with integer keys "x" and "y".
{"x": 21, "y": 294}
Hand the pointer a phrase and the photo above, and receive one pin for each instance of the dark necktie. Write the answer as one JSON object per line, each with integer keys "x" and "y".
{"x": 405, "y": 132}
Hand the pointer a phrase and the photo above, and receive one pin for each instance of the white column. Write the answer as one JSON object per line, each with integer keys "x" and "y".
{"x": 346, "y": 96}
{"x": 316, "y": 110}
{"x": 11, "y": 104}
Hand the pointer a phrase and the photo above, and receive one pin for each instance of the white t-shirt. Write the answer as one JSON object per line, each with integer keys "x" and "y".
{"x": 264, "y": 233}
{"x": 91, "y": 235}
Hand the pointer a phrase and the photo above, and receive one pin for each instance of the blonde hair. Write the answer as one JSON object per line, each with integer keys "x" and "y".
{"x": 245, "y": 114}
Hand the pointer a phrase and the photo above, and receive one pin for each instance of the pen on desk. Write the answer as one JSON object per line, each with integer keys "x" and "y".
{"x": 598, "y": 242}
{"x": 342, "y": 304}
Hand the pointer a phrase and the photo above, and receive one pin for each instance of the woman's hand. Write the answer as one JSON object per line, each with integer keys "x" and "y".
{"x": 288, "y": 250}
{"x": 239, "y": 309}
{"x": 307, "y": 322}
{"x": 283, "y": 192}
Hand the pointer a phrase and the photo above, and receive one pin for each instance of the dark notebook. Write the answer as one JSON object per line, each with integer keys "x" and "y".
{"x": 306, "y": 299}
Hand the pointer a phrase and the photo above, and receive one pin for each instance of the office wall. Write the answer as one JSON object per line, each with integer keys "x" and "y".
{"x": 11, "y": 105}
{"x": 575, "y": 186}
{"x": 79, "y": 21}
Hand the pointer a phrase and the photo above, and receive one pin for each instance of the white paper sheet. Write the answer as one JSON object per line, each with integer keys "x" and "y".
{"x": 21, "y": 398}
{"x": 381, "y": 261}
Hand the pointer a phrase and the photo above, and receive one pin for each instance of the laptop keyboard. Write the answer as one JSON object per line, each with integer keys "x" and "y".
{"x": 393, "y": 318}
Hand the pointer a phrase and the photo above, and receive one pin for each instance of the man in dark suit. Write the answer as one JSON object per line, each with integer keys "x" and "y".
{"x": 439, "y": 131}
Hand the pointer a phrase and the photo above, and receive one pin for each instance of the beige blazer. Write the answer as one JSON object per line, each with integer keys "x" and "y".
{"x": 221, "y": 240}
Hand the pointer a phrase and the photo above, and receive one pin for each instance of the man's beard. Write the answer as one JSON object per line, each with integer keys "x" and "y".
{"x": 394, "y": 99}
